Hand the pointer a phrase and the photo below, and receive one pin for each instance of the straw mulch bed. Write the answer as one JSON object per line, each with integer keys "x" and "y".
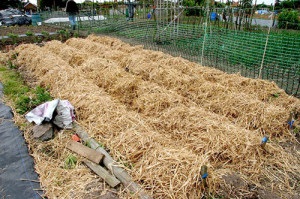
{"x": 247, "y": 109}
{"x": 163, "y": 118}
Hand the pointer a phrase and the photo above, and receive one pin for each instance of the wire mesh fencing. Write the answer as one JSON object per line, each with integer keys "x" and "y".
{"x": 226, "y": 39}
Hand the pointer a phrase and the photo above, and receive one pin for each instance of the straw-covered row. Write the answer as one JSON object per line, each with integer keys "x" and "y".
{"x": 239, "y": 107}
{"x": 155, "y": 158}
{"x": 170, "y": 113}
{"x": 262, "y": 88}
{"x": 256, "y": 88}
{"x": 212, "y": 138}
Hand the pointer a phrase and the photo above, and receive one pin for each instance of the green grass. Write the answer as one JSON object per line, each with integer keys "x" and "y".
{"x": 23, "y": 97}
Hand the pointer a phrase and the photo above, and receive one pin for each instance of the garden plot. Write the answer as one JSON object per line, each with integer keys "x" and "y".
{"x": 245, "y": 109}
{"x": 164, "y": 117}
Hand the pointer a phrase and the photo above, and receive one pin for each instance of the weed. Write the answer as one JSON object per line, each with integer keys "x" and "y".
{"x": 67, "y": 34}
{"x": 25, "y": 103}
{"x": 22, "y": 96}
{"x": 45, "y": 33}
{"x": 61, "y": 33}
{"x": 11, "y": 65}
{"x": 129, "y": 165}
{"x": 49, "y": 151}
{"x": 14, "y": 56}
{"x": 70, "y": 162}
{"x": 88, "y": 144}
{"x": 14, "y": 37}
{"x": 22, "y": 103}
{"x": 276, "y": 95}
{"x": 296, "y": 130}
{"x": 41, "y": 96}
{"x": 29, "y": 33}
{"x": 13, "y": 84}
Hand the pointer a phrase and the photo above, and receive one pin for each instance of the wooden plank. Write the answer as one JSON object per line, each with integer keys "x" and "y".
{"x": 91, "y": 154}
{"x": 103, "y": 173}
{"x": 113, "y": 166}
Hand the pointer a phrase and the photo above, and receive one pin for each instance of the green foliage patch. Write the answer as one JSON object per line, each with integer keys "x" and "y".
{"x": 289, "y": 19}
{"x": 24, "y": 97}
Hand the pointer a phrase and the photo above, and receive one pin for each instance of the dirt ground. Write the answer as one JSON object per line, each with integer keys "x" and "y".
{"x": 7, "y": 42}
{"x": 4, "y": 31}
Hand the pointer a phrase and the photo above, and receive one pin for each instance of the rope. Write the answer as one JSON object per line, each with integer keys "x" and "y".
{"x": 265, "y": 49}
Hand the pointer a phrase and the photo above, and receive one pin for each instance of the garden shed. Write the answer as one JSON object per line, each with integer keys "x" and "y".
{"x": 30, "y": 8}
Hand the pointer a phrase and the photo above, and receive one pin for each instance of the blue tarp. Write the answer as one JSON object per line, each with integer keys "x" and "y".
{"x": 261, "y": 12}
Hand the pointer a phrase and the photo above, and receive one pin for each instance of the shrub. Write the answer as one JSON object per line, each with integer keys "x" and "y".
{"x": 289, "y": 19}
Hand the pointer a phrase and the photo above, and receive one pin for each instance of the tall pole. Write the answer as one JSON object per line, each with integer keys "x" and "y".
{"x": 265, "y": 49}
{"x": 205, "y": 31}
{"x": 93, "y": 11}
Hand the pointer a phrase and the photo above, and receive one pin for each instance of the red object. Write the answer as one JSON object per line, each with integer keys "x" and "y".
{"x": 76, "y": 138}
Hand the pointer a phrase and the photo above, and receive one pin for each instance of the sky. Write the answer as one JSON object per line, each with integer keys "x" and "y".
{"x": 267, "y": 2}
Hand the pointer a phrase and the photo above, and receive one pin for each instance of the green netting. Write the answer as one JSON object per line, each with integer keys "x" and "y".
{"x": 212, "y": 43}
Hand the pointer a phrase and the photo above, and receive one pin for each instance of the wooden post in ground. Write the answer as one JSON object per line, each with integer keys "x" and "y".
{"x": 203, "y": 173}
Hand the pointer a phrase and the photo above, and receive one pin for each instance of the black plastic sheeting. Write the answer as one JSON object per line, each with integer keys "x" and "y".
{"x": 18, "y": 179}
{"x": 11, "y": 17}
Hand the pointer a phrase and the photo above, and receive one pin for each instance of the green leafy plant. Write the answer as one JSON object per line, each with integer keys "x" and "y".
{"x": 22, "y": 96}
{"x": 22, "y": 103}
{"x": 41, "y": 96}
{"x": 32, "y": 99}
{"x": 275, "y": 95}
{"x": 45, "y": 34}
{"x": 61, "y": 34}
{"x": 14, "y": 37}
{"x": 296, "y": 130}
{"x": 13, "y": 84}
{"x": 29, "y": 33}
{"x": 76, "y": 35}
{"x": 11, "y": 65}
{"x": 70, "y": 162}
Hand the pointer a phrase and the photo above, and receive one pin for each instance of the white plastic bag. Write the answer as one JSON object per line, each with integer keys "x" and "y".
{"x": 42, "y": 112}
{"x": 65, "y": 114}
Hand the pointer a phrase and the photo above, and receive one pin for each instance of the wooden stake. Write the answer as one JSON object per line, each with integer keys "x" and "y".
{"x": 103, "y": 173}
{"x": 85, "y": 151}
{"x": 113, "y": 166}
{"x": 204, "y": 175}
{"x": 264, "y": 142}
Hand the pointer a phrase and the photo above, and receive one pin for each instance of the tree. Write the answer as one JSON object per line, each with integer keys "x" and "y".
{"x": 289, "y": 19}
{"x": 192, "y": 3}
{"x": 288, "y": 4}
{"x": 10, "y": 3}
{"x": 52, "y": 3}
{"x": 277, "y": 5}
